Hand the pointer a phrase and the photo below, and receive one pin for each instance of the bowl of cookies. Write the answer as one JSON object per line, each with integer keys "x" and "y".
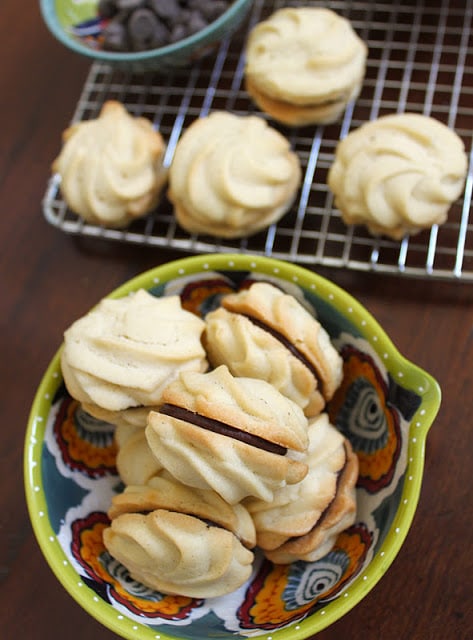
{"x": 143, "y": 35}
{"x": 225, "y": 446}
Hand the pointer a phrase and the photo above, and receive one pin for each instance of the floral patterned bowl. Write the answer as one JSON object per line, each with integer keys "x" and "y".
{"x": 76, "y": 25}
{"x": 385, "y": 406}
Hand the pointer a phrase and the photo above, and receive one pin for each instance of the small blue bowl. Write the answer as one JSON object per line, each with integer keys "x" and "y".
{"x": 76, "y": 25}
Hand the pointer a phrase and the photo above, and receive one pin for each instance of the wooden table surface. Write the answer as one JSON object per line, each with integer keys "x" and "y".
{"x": 49, "y": 279}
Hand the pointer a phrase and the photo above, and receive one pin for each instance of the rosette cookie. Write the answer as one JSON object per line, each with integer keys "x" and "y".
{"x": 120, "y": 356}
{"x": 237, "y": 436}
{"x": 111, "y": 167}
{"x": 262, "y": 332}
{"x": 181, "y": 540}
{"x": 398, "y": 174}
{"x": 303, "y": 520}
{"x": 232, "y": 176}
{"x": 304, "y": 64}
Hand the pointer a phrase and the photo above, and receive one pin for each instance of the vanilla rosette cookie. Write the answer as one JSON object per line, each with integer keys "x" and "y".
{"x": 181, "y": 540}
{"x": 232, "y": 176}
{"x": 237, "y": 436}
{"x": 111, "y": 167}
{"x": 304, "y": 64}
{"x": 303, "y": 520}
{"x": 398, "y": 174}
{"x": 121, "y": 355}
{"x": 262, "y": 332}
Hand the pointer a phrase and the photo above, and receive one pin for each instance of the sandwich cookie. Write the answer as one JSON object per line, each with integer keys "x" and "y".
{"x": 238, "y": 436}
{"x": 181, "y": 540}
{"x": 262, "y": 332}
{"x": 303, "y": 521}
{"x": 304, "y": 65}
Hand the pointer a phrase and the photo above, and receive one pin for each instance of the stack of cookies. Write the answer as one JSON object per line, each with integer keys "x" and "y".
{"x": 304, "y": 65}
{"x": 224, "y": 445}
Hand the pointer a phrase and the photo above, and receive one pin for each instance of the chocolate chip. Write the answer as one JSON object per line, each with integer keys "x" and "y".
{"x": 179, "y": 32}
{"x": 146, "y": 31}
{"x": 183, "y": 16}
{"x": 107, "y": 8}
{"x": 150, "y": 24}
{"x": 115, "y": 37}
{"x": 195, "y": 23}
{"x": 167, "y": 10}
{"x": 212, "y": 9}
{"x": 129, "y": 5}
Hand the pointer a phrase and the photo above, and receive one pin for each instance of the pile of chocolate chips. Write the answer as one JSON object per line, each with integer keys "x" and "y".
{"x": 140, "y": 25}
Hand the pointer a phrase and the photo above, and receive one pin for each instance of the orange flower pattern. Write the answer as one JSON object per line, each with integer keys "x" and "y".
{"x": 281, "y": 594}
{"x": 86, "y": 444}
{"x": 361, "y": 411}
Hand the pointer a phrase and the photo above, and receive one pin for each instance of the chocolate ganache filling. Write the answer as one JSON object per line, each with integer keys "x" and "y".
{"x": 180, "y": 413}
{"x": 325, "y": 513}
{"x": 297, "y": 353}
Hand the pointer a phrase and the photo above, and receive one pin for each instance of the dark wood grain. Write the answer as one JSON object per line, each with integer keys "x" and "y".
{"x": 49, "y": 279}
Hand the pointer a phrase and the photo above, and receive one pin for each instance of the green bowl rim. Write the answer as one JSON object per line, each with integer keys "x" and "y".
{"x": 49, "y": 14}
{"x": 361, "y": 317}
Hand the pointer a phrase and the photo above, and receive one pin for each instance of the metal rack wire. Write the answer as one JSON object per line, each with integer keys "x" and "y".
{"x": 420, "y": 60}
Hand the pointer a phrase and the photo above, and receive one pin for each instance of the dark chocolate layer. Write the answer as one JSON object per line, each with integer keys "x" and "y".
{"x": 222, "y": 428}
{"x": 326, "y": 511}
{"x": 297, "y": 353}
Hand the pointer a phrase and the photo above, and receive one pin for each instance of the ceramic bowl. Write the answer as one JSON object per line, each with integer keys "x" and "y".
{"x": 76, "y": 26}
{"x": 385, "y": 406}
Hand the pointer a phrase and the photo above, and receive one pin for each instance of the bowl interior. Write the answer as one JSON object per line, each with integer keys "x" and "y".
{"x": 385, "y": 406}
{"x": 77, "y": 26}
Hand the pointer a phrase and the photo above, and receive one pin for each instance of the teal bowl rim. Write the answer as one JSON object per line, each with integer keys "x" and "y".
{"x": 344, "y": 303}
{"x": 48, "y": 12}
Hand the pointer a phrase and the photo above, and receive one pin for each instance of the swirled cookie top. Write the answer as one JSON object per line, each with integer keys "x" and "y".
{"x": 231, "y": 170}
{"x": 399, "y": 172}
{"x": 305, "y": 55}
{"x": 249, "y": 404}
{"x": 125, "y": 351}
{"x": 110, "y": 166}
{"x": 179, "y": 554}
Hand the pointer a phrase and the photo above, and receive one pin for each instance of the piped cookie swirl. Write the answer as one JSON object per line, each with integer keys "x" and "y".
{"x": 178, "y": 539}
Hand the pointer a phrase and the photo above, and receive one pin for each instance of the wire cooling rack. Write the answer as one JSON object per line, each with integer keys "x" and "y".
{"x": 420, "y": 60}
